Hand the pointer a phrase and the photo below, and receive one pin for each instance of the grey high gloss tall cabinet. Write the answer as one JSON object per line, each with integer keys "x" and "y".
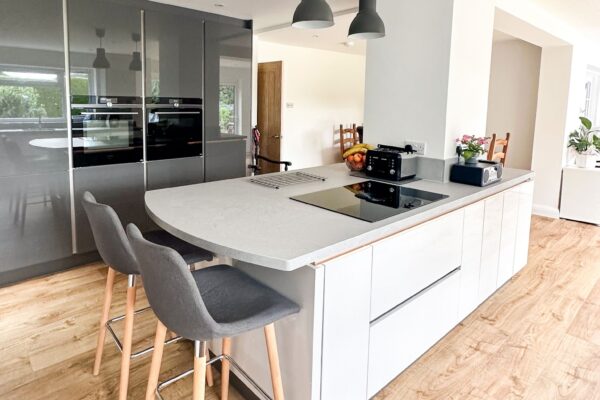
{"x": 228, "y": 74}
{"x": 115, "y": 27}
{"x": 174, "y": 52}
{"x": 34, "y": 162}
{"x": 59, "y": 60}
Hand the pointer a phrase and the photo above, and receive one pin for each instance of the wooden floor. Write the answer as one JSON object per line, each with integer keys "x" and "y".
{"x": 538, "y": 338}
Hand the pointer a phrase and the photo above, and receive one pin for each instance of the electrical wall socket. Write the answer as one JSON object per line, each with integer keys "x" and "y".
{"x": 419, "y": 147}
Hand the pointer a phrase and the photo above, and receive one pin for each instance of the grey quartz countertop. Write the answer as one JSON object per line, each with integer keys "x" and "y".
{"x": 263, "y": 226}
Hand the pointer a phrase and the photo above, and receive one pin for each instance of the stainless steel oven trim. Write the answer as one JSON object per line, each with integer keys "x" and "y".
{"x": 110, "y": 113}
{"x": 69, "y": 124}
{"x": 177, "y": 112}
{"x": 181, "y": 106}
{"x": 104, "y": 106}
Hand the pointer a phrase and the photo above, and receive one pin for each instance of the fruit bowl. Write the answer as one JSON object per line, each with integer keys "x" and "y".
{"x": 355, "y": 165}
{"x": 356, "y": 156}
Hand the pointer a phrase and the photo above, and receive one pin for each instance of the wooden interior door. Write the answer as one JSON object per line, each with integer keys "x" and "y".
{"x": 269, "y": 113}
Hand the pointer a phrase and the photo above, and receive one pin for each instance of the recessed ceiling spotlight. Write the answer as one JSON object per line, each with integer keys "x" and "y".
{"x": 219, "y": 5}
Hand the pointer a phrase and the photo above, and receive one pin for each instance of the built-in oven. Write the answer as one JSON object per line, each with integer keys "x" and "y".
{"x": 175, "y": 129}
{"x": 107, "y": 131}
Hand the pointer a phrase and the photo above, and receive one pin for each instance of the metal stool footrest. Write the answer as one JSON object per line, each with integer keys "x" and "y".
{"x": 234, "y": 366}
{"x": 120, "y": 345}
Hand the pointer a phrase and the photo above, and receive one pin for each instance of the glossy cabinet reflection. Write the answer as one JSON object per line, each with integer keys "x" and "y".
{"x": 105, "y": 48}
{"x": 174, "y": 55}
{"x": 228, "y": 77}
{"x": 34, "y": 186}
{"x": 121, "y": 186}
{"x": 225, "y": 159}
{"x": 175, "y": 172}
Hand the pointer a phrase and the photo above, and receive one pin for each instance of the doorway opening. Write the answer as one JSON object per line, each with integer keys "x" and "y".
{"x": 513, "y": 96}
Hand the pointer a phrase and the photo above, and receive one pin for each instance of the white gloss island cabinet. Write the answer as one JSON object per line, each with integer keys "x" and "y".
{"x": 368, "y": 314}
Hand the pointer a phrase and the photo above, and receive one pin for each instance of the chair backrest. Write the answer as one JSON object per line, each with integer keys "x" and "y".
{"x": 171, "y": 290}
{"x": 109, "y": 235}
{"x": 501, "y": 155}
{"x": 348, "y": 138}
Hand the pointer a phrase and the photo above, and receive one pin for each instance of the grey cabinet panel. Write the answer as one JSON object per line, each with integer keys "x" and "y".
{"x": 174, "y": 55}
{"x": 121, "y": 25}
{"x": 32, "y": 90}
{"x": 35, "y": 224}
{"x": 228, "y": 80}
{"x": 225, "y": 160}
{"x": 34, "y": 185}
{"x": 121, "y": 186}
{"x": 175, "y": 172}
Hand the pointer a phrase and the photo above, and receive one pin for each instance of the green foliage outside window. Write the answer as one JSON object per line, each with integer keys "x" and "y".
{"x": 227, "y": 109}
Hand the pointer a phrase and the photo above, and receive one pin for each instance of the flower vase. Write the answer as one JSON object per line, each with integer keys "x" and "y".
{"x": 470, "y": 157}
{"x": 586, "y": 160}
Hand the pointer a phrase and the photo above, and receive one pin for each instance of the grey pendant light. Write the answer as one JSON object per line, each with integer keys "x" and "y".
{"x": 367, "y": 24}
{"x": 313, "y": 14}
{"x": 136, "y": 61}
{"x": 100, "y": 61}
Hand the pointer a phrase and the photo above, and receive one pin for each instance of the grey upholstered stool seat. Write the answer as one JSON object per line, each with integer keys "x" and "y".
{"x": 212, "y": 303}
{"x": 237, "y": 302}
{"x": 116, "y": 252}
{"x": 190, "y": 253}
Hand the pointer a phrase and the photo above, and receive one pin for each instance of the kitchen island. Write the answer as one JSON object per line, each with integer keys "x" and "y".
{"x": 374, "y": 296}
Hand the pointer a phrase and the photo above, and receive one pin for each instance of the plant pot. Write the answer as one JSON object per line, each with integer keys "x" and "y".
{"x": 586, "y": 160}
{"x": 470, "y": 157}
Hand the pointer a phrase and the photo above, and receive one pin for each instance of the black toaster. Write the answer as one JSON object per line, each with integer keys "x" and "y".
{"x": 391, "y": 163}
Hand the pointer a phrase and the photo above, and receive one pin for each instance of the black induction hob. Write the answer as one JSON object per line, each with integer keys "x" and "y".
{"x": 370, "y": 201}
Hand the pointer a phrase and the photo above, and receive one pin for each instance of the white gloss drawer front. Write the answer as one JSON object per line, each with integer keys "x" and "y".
{"x": 410, "y": 261}
{"x": 402, "y": 336}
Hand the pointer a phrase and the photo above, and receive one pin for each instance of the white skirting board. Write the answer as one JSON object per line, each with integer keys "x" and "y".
{"x": 545, "y": 211}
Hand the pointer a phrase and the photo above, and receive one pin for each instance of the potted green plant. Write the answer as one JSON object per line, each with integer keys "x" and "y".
{"x": 471, "y": 147}
{"x": 585, "y": 142}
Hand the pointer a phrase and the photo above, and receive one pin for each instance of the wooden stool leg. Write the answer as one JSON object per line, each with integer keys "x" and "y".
{"x": 274, "y": 362}
{"x": 110, "y": 280}
{"x": 127, "y": 337}
{"x": 209, "y": 375}
{"x": 159, "y": 344}
{"x": 199, "y": 370}
{"x": 225, "y": 369}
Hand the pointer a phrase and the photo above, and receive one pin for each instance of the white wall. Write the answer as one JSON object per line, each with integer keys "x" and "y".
{"x": 326, "y": 89}
{"x": 407, "y": 74}
{"x": 513, "y": 96}
{"x": 429, "y": 81}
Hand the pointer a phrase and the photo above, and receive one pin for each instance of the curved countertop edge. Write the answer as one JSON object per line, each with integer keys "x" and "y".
{"x": 328, "y": 252}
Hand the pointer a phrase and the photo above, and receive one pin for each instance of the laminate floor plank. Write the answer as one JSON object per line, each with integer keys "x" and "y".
{"x": 537, "y": 338}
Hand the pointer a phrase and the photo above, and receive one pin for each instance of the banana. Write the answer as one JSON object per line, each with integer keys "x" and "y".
{"x": 359, "y": 148}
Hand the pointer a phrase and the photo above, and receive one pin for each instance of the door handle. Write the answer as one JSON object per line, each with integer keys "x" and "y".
{"x": 276, "y": 137}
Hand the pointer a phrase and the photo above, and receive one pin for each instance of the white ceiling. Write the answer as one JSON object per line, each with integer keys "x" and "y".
{"x": 581, "y": 14}
{"x": 332, "y": 39}
{"x": 265, "y": 13}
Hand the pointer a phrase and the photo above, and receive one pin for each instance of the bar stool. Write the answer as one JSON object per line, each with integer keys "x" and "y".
{"x": 116, "y": 252}
{"x": 213, "y": 303}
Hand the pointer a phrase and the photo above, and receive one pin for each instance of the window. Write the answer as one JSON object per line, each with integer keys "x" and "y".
{"x": 591, "y": 104}
{"x": 30, "y": 93}
{"x": 228, "y": 109}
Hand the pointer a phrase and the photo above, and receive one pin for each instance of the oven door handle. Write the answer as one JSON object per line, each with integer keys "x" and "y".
{"x": 109, "y": 113}
{"x": 176, "y": 112}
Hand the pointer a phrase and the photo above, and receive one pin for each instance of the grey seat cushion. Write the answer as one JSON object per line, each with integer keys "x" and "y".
{"x": 239, "y": 303}
{"x": 190, "y": 253}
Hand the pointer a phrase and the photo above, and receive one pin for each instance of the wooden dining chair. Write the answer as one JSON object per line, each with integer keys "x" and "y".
{"x": 348, "y": 138}
{"x": 501, "y": 155}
